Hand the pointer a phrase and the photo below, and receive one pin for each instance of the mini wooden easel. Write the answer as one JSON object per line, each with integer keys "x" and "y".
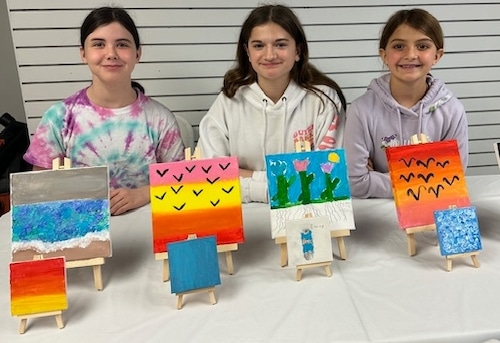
{"x": 210, "y": 290}
{"x": 226, "y": 248}
{"x": 301, "y": 267}
{"x": 95, "y": 263}
{"x": 338, "y": 234}
{"x": 410, "y": 232}
{"x": 57, "y": 314}
{"x": 473, "y": 255}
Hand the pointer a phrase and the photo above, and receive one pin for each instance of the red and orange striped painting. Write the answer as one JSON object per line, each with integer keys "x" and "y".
{"x": 38, "y": 286}
{"x": 425, "y": 178}
{"x": 199, "y": 197}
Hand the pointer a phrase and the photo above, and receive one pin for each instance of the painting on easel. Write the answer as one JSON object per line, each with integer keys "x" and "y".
{"x": 309, "y": 241}
{"x": 426, "y": 177}
{"x": 61, "y": 213}
{"x": 194, "y": 264}
{"x": 199, "y": 196}
{"x": 457, "y": 230}
{"x": 38, "y": 286}
{"x": 309, "y": 183}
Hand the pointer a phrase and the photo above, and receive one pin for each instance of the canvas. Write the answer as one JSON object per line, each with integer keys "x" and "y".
{"x": 458, "y": 230}
{"x": 425, "y": 178}
{"x": 61, "y": 213}
{"x": 309, "y": 183}
{"x": 38, "y": 286}
{"x": 200, "y": 196}
{"x": 193, "y": 264}
{"x": 309, "y": 241}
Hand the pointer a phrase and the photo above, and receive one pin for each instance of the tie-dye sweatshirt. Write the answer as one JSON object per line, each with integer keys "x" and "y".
{"x": 125, "y": 139}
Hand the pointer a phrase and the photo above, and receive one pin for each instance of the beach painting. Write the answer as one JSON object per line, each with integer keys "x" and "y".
{"x": 194, "y": 264}
{"x": 309, "y": 183}
{"x": 458, "y": 230}
{"x": 61, "y": 212}
{"x": 38, "y": 286}
{"x": 200, "y": 197}
{"x": 425, "y": 178}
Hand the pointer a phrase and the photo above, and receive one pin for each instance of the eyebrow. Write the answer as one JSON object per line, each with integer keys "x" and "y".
{"x": 276, "y": 41}
{"x": 405, "y": 40}
{"x": 118, "y": 40}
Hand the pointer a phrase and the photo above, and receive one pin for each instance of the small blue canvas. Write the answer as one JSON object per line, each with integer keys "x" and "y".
{"x": 194, "y": 264}
{"x": 457, "y": 230}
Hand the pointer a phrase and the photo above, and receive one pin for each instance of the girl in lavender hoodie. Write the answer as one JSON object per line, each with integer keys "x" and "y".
{"x": 402, "y": 103}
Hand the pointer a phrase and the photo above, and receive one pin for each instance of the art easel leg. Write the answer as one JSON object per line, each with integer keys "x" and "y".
{"x": 229, "y": 262}
{"x": 410, "y": 234}
{"x": 166, "y": 271}
{"x": 326, "y": 265}
{"x": 56, "y": 314}
{"x": 210, "y": 291}
{"x": 339, "y": 235}
{"x": 98, "y": 277}
{"x": 96, "y": 264}
{"x": 473, "y": 256}
{"x": 283, "y": 250}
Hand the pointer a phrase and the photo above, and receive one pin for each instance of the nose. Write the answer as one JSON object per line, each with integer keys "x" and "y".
{"x": 111, "y": 53}
{"x": 411, "y": 52}
{"x": 270, "y": 53}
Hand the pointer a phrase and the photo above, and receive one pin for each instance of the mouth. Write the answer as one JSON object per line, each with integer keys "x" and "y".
{"x": 409, "y": 66}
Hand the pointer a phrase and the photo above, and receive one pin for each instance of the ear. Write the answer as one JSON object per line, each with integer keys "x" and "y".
{"x": 297, "y": 54}
{"x": 82, "y": 55}
{"x": 382, "y": 55}
{"x": 439, "y": 54}
{"x": 138, "y": 54}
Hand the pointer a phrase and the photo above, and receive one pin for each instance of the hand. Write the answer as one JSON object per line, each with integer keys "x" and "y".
{"x": 245, "y": 173}
{"x": 123, "y": 199}
{"x": 370, "y": 165}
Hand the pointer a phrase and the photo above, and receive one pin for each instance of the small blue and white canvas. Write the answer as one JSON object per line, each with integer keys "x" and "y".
{"x": 193, "y": 264}
{"x": 457, "y": 230}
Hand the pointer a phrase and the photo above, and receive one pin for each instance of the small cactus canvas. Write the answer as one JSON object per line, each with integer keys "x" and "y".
{"x": 309, "y": 182}
{"x": 457, "y": 230}
{"x": 309, "y": 241}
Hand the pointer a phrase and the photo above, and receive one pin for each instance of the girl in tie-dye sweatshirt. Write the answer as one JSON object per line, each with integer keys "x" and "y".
{"x": 111, "y": 122}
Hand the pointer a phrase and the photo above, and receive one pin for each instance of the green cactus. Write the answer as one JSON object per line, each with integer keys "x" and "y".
{"x": 282, "y": 193}
{"x": 305, "y": 182}
{"x": 330, "y": 185}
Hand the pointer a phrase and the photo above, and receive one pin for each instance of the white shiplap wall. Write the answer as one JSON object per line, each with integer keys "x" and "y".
{"x": 189, "y": 44}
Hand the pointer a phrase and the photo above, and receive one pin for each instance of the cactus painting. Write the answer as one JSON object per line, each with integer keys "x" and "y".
{"x": 309, "y": 182}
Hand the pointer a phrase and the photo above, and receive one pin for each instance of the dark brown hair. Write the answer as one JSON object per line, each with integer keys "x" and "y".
{"x": 303, "y": 72}
{"x": 418, "y": 19}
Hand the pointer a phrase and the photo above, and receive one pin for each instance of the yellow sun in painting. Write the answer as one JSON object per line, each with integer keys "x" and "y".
{"x": 333, "y": 157}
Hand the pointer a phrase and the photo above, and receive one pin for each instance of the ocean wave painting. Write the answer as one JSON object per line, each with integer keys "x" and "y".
{"x": 61, "y": 212}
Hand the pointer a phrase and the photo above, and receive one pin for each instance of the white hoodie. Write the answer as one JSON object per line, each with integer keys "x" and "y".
{"x": 251, "y": 126}
{"x": 375, "y": 121}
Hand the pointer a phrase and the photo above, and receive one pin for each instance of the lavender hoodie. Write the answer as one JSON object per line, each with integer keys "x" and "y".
{"x": 375, "y": 121}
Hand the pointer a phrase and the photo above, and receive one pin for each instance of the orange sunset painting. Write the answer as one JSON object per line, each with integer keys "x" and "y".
{"x": 200, "y": 196}
{"x": 425, "y": 178}
{"x": 38, "y": 286}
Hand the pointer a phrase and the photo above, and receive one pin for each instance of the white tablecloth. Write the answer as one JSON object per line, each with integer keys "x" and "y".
{"x": 379, "y": 294}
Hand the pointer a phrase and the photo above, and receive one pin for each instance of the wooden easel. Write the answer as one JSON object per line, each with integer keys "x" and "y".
{"x": 57, "y": 314}
{"x": 338, "y": 234}
{"x": 410, "y": 232}
{"x": 225, "y": 248}
{"x": 301, "y": 267}
{"x": 95, "y": 263}
{"x": 473, "y": 255}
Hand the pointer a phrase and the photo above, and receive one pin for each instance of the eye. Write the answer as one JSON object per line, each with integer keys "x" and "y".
{"x": 281, "y": 45}
{"x": 398, "y": 46}
{"x": 97, "y": 44}
{"x": 423, "y": 46}
{"x": 257, "y": 46}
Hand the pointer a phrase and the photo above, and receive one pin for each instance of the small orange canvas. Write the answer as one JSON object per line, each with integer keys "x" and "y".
{"x": 38, "y": 286}
{"x": 425, "y": 178}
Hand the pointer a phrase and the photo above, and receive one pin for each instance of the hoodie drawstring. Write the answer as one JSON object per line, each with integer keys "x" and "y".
{"x": 283, "y": 126}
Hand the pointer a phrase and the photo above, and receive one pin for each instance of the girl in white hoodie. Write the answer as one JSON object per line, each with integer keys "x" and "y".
{"x": 272, "y": 98}
{"x": 405, "y": 102}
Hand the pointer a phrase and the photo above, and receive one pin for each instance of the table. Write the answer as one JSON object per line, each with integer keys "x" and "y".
{"x": 379, "y": 294}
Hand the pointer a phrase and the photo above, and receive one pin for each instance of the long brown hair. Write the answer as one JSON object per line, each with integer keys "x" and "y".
{"x": 303, "y": 72}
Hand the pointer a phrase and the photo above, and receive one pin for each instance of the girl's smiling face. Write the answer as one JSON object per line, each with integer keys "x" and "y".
{"x": 111, "y": 54}
{"x": 410, "y": 55}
